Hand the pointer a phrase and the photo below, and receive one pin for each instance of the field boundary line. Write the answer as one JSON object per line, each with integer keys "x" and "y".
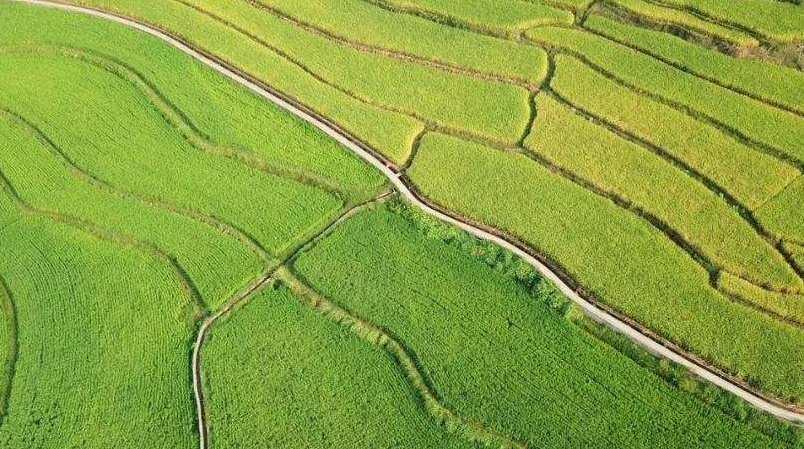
{"x": 390, "y": 52}
{"x": 592, "y": 308}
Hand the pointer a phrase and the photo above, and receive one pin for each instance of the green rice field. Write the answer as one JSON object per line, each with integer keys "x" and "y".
{"x": 185, "y": 263}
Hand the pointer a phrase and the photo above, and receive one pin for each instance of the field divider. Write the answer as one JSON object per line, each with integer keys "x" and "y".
{"x": 180, "y": 122}
{"x": 760, "y": 147}
{"x": 112, "y": 237}
{"x": 555, "y": 273}
{"x": 736, "y": 89}
{"x": 405, "y": 359}
{"x": 9, "y": 309}
{"x": 384, "y": 51}
{"x": 742, "y": 210}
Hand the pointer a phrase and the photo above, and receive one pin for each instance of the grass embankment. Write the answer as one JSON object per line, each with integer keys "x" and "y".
{"x": 279, "y": 374}
{"x": 769, "y": 82}
{"x": 650, "y": 184}
{"x": 459, "y": 316}
{"x": 617, "y": 257}
{"x": 749, "y": 176}
{"x": 103, "y": 331}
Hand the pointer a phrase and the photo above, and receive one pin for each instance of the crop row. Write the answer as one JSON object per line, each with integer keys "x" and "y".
{"x": 779, "y": 130}
{"x": 278, "y": 373}
{"x": 788, "y": 306}
{"x": 618, "y": 259}
{"x": 769, "y": 82}
{"x": 416, "y": 36}
{"x": 491, "y": 350}
{"x": 497, "y": 17}
{"x": 631, "y": 172}
{"x": 686, "y": 20}
{"x": 103, "y": 319}
{"x": 776, "y": 21}
{"x": 750, "y": 176}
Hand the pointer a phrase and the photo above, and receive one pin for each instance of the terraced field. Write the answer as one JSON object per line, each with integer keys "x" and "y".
{"x": 184, "y": 263}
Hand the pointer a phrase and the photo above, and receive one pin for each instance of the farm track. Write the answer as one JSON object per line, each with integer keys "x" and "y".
{"x": 632, "y": 330}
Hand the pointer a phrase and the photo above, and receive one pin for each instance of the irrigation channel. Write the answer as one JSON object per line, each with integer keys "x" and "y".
{"x": 594, "y": 311}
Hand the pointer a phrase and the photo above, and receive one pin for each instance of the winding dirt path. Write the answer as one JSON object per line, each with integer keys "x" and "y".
{"x": 630, "y": 329}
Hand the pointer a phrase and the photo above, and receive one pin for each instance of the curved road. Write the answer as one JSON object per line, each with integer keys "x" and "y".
{"x": 592, "y": 310}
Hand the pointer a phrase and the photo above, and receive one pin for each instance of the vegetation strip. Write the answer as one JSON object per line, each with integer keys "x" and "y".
{"x": 9, "y": 310}
{"x": 588, "y": 307}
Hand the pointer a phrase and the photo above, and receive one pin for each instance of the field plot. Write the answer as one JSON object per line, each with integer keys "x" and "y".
{"x": 459, "y": 317}
{"x": 281, "y": 375}
{"x": 98, "y": 320}
{"x": 649, "y": 152}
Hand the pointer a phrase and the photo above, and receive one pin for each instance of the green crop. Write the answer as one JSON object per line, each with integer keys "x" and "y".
{"x": 279, "y": 374}
{"x": 772, "y": 127}
{"x": 750, "y": 176}
{"x": 416, "y": 36}
{"x": 684, "y": 19}
{"x": 616, "y": 256}
{"x": 102, "y": 336}
{"x": 770, "y": 82}
{"x": 787, "y": 305}
{"x": 783, "y": 212}
{"x": 774, "y": 20}
{"x": 459, "y": 318}
{"x": 642, "y": 178}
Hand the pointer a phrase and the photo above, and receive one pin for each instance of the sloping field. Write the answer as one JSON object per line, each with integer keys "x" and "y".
{"x": 183, "y": 264}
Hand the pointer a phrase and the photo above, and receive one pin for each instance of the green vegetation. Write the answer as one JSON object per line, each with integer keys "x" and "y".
{"x": 748, "y": 175}
{"x": 789, "y": 306}
{"x": 685, "y": 20}
{"x": 772, "y": 127}
{"x": 770, "y": 82}
{"x": 638, "y": 176}
{"x": 591, "y": 238}
{"x": 459, "y": 317}
{"x": 103, "y": 331}
{"x": 415, "y": 36}
{"x": 280, "y": 374}
{"x": 773, "y": 20}
{"x": 489, "y": 15}
{"x": 780, "y": 214}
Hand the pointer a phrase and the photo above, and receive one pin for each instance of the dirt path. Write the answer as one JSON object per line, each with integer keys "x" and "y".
{"x": 630, "y": 329}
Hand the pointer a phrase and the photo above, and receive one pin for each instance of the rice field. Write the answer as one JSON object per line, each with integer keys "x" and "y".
{"x": 185, "y": 264}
